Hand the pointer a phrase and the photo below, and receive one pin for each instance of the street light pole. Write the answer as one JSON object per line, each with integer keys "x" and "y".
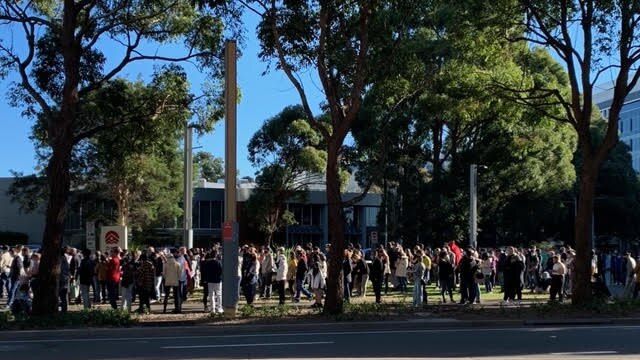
{"x": 473, "y": 205}
{"x": 187, "y": 239}
{"x": 230, "y": 227}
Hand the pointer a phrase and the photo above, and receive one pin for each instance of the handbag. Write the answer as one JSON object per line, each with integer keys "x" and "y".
{"x": 74, "y": 290}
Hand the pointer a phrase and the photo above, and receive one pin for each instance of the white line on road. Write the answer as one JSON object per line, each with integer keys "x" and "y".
{"x": 604, "y": 352}
{"x": 319, "y": 333}
{"x": 247, "y": 345}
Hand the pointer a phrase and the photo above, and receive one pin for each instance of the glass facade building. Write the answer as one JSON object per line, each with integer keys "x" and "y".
{"x": 629, "y": 122}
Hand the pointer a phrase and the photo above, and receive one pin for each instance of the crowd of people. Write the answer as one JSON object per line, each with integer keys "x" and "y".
{"x": 117, "y": 276}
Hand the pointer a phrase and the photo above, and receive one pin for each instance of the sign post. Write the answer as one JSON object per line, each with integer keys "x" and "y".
{"x": 113, "y": 237}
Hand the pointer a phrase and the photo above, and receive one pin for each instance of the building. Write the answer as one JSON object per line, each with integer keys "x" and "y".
{"x": 208, "y": 217}
{"x": 629, "y": 124}
{"x": 311, "y": 217}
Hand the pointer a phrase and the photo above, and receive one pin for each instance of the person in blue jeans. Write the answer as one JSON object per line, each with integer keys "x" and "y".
{"x": 347, "y": 277}
{"x": 301, "y": 273}
{"x": 14, "y": 274}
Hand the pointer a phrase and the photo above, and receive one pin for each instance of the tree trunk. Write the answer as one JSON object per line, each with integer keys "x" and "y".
{"x": 45, "y": 301}
{"x": 581, "y": 288}
{"x": 334, "y": 301}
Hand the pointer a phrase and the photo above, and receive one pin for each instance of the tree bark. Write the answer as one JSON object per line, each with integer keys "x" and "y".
{"x": 60, "y": 131}
{"x": 334, "y": 301}
{"x": 45, "y": 299}
{"x": 581, "y": 289}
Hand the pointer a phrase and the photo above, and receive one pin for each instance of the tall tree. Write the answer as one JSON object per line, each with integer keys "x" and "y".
{"x": 209, "y": 167}
{"x": 336, "y": 40}
{"x": 287, "y": 149}
{"x": 138, "y": 163}
{"x": 59, "y": 63}
{"x": 593, "y": 38}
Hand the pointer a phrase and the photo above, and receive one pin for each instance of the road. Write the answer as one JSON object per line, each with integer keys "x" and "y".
{"x": 338, "y": 340}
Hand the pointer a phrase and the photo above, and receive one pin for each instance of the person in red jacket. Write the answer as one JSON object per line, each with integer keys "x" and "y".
{"x": 113, "y": 277}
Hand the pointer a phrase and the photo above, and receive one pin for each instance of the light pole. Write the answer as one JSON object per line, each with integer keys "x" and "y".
{"x": 473, "y": 205}
{"x": 188, "y": 188}
{"x": 230, "y": 227}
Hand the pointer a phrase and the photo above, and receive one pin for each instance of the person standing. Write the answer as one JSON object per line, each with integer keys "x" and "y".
{"x": 171, "y": 276}
{"x": 301, "y": 273}
{"x": 317, "y": 282}
{"x": 281, "y": 275}
{"x": 85, "y": 274}
{"x": 63, "y": 284}
{"x": 558, "y": 271}
{"x": 445, "y": 276}
{"x": 113, "y": 277}
{"x": 144, "y": 282}
{"x": 250, "y": 270}
{"x": 401, "y": 270}
{"x": 512, "y": 275}
{"x": 212, "y": 277}
{"x": 347, "y": 277}
{"x": 5, "y": 268}
{"x": 267, "y": 271}
{"x": 418, "y": 277}
{"x": 127, "y": 281}
{"x": 360, "y": 274}
{"x": 376, "y": 275}
{"x": 630, "y": 274}
{"x": 17, "y": 266}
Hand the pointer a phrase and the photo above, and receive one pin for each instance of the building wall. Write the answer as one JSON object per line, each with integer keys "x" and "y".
{"x": 11, "y": 219}
{"x": 629, "y": 122}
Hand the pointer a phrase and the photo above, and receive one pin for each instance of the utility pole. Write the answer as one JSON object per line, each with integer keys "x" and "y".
{"x": 473, "y": 206}
{"x": 187, "y": 238}
{"x": 230, "y": 227}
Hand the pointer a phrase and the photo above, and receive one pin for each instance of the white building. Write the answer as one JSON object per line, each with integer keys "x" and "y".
{"x": 629, "y": 125}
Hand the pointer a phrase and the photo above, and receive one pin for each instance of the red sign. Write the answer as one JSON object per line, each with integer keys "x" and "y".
{"x": 227, "y": 231}
{"x": 111, "y": 238}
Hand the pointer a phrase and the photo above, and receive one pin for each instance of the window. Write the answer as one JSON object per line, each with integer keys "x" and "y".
{"x": 622, "y": 126}
{"x": 216, "y": 214}
{"x": 205, "y": 215}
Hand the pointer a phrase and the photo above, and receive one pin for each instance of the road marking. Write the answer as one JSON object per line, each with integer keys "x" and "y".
{"x": 315, "y": 334}
{"x": 247, "y": 345}
{"x": 604, "y": 352}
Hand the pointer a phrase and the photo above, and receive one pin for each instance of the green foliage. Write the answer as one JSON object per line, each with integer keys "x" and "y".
{"x": 287, "y": 148}
{"x": 208, "y": 166}
{"x": 85, "y": 318}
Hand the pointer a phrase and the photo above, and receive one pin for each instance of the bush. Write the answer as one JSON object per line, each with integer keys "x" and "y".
{"x": 115, "y": 318}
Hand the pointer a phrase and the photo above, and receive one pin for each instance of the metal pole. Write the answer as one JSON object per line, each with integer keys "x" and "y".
{"x": 473, "y": 205}
{"x": 187, "y": 239}
{"x": 230, "y": 281}
{"x": 386, "y": 214}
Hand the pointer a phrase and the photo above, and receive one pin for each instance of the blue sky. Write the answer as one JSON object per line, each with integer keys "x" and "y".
{"x": 262, "y": 98}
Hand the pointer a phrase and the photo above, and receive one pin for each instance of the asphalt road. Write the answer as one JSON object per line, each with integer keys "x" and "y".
{"x": 375, "y": 340}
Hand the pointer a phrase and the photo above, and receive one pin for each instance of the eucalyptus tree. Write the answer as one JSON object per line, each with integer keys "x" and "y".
{"x": 338, "y": 42}
{"x": 288, "y": 151}
{"x": 593, "y": 39}
{"x": 57, "y": 52}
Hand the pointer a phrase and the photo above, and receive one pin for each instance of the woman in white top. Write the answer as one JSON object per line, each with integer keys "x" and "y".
{"x": 401, "y": 270}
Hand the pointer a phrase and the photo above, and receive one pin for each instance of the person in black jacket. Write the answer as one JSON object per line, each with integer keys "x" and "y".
{"x": 211, "y": 272}
{"x": 376, "y": 274}
{"x": 85, "y": 274}
{"x": 346, "y": 273}
{"x": 301, "y": 273}
{"x": 445, "y": 276}
{"x": 512, "y": 269}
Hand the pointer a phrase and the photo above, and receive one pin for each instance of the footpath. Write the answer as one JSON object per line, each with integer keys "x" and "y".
{"x": 533, "y": 310}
